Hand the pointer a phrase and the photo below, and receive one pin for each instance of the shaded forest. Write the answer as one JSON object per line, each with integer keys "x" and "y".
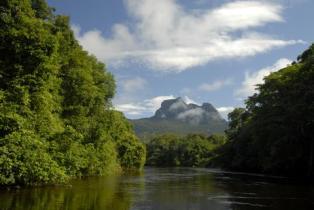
{"x": 274, "y": 132}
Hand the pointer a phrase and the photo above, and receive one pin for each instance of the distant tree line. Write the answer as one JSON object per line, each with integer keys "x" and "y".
{"x": 193, "y": 150}
{"x": 56, "y": 117}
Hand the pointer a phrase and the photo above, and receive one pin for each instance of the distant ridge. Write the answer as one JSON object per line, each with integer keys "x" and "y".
{"x": 178, "y": 117}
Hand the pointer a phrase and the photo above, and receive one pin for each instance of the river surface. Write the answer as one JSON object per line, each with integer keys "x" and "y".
{"x": 166, "y": 189}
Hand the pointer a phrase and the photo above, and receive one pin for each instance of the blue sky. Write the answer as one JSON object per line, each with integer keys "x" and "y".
{"x": 202, "y": 50}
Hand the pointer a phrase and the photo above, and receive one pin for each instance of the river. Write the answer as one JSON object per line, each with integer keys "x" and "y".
{"x": 166, "y": 189}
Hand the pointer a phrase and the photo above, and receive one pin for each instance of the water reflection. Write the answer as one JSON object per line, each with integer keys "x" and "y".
{"x": 87, "y": 194}
{"x": 165, "y": 189}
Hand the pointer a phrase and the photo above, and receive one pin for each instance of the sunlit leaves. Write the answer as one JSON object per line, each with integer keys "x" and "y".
{"x": 56, "y": 120}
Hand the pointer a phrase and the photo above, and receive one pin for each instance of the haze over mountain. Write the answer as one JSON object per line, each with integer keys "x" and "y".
{"x": 176, "y": 116}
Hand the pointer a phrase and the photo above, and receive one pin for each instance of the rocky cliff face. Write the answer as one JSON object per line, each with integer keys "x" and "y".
{"x": 176, "y": 116}
{"x": 190, "y": 113}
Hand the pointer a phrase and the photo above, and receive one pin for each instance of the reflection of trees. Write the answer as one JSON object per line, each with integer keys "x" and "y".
{"x": 97, "y": 193}
{"x": 164, "y": 189}
{"x": 248, "y": 192}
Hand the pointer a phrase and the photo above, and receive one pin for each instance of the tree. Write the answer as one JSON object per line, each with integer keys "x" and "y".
{"x": 274, "y": 133}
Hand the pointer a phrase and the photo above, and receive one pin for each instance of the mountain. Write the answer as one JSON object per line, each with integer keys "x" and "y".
{"x": 176, "y": 116}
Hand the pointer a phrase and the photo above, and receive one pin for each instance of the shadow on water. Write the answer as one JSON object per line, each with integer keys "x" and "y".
{"x": 165, "y": 189}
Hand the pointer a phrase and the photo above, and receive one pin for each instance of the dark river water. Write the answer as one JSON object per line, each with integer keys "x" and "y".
{"x": 166, "y": 189}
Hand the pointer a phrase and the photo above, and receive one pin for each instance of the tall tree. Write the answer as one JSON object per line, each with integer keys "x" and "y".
{"x": 276, "y": 133}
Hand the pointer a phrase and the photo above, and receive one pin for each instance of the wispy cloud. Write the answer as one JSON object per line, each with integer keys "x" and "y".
{"x": 248, "y": 86}
{"x": 216, "y": 85}
{"x": 193, "y": 116}
{"x": 189, "y": 100}
{"x": 138, "y": 109}
{"x": 131, "y": 109}
{"x": 166, "y": 37}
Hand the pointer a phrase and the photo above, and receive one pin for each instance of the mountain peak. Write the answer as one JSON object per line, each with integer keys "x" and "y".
{"x": 178, "y": 109}
{"x": 170, "y": 108}
{"x": 177, "y": 116}
{"x": 208, "y": 107}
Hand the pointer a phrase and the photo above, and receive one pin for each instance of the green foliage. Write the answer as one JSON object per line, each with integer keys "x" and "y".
{"x": 274, "y": 134}
{"x": 193, "y": 150}
{"x": 131, "y": 153}
{"x": 24, "y": 160}
{"x": 56, "y": 119}
{"x": 42, "y": 10}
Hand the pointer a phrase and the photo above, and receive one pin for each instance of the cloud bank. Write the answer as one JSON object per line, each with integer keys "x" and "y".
{"x": 147, "y": 106}
{"x": 166, "y": 37}
{"x": 224, "y": 111}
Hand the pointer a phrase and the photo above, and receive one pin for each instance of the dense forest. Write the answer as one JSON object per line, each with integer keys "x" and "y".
{"x": 56, "y": 117}
{"x": 194, "y": 150}
{"x": 274, "y": 132}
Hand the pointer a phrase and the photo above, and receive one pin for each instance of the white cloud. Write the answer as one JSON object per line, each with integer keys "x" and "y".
{"x": 216, "y": 85}
{"x": 167, "y": 37}
{"x": 248, "y": 86}
{"x": 131, "y": 109}
{"x": 154, "y": 103}
{"x": 178, "y": 105}
{"x": 193, "y": 115}
{"x": 182, "y": 104}
{"x": 133, "y": 84}
{"x": 107, "y": 49}
{"x": 224, "y": 111}
{"x": 146, "y": 107}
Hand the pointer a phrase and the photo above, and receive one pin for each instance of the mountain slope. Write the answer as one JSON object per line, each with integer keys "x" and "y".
{"x": 175, "y": 116}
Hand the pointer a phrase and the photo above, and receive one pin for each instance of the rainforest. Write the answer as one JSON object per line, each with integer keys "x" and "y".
{"x": 64, "y": 142}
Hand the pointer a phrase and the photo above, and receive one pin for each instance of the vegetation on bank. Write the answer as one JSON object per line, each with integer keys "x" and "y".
{"x": 56, "y": 119}
{"x": 193, "y": 150}
{"x": 274, "y": 133}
